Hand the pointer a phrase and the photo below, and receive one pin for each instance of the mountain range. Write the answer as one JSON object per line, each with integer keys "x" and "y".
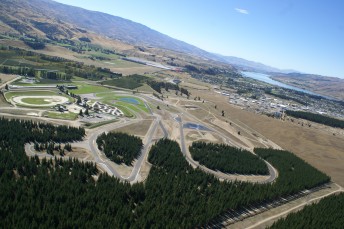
{"x": 50, "y": 19}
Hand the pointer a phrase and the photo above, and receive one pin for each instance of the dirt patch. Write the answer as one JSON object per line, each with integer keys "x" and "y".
{"x": 138, "y": 129}
{"x": 3, "y": 102}
{"x": 5, "y": 78}
{"x": 194, "y": 86}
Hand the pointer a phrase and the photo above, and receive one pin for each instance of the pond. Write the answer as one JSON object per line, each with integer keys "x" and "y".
{"x": 129, "y": 100}
{"x": 195, "y": 126}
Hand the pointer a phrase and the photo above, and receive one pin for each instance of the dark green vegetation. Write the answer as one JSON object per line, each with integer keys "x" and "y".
{"x": 296, "y": 172}
{"x": 63, "y": 193}
{"x": 284, "y": 96}
{"x": 27, "y": 63}
{"x": 129, "y": 82}
{"x": 227, "y": 159}
{"x": 167, "y": 86}
{"x": 120, "y": 147}
{"x": 56, "y": 193}
{"x": 328, "y": 213}
{"x": 29, "y": 131}
{"x": 34, "y": 43}
{"x": 318, "y": 118}
{"x": 134, "y": 81}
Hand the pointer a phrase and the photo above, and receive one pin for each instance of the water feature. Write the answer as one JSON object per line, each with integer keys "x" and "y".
{"x": 129, "y": 100}
{"x": 195, "y": 126}
{"x": 266, "y": 78}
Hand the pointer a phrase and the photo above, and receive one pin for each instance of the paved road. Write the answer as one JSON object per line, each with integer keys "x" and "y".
{"x": 138, "y": 164}
{"x": 182, "y": 139}
{"x": 144, "y": 151}
{"x": 339, "y": 190}
{"x": 3, "y": 84}
{"x": 163, "y": 129}
{"x": 272, "y": 171}
{"x": 90, "y": 144}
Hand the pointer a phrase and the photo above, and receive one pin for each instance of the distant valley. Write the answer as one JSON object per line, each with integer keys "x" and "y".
{"x": 330, "y": 86}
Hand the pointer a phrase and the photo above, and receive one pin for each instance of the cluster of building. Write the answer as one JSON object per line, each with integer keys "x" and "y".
{"x": 106, "y": 109}
{"x": 266, "y": 105}
{"x": 276, "y": 107}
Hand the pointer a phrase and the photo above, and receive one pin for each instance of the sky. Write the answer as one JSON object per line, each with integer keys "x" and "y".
{"x": 306, "y": 35}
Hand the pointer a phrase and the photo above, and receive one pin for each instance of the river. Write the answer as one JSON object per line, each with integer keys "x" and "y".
{"x": 266, "y": 78}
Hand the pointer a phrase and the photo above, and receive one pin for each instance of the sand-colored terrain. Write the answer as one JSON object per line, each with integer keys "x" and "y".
{"x": 138, "y": 129}
{"x": 4, "y": 78}
{"x": 317, "y": 147}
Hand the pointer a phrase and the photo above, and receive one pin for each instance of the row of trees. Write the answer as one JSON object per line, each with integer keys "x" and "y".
{"x": 195, "y": 197}
{"x": 328, "y": 213}
{"x": 286, "y": 97}
{"x": 65, "y": 69}
{"x": 35, "y": 44}
{"x": 63, "y": 193}
{"x": 17, "y": 70}
{"x": 50, "y": 147}
{"x": 227, "y": 159}
{"x": 57, "y": 193}
{"x": 157, "y": 86}
{"x": 30, "y": 131}
{"x": 318, "y": 118}
{"x": 120, "y": 147}
{"x": 129, "y": 82}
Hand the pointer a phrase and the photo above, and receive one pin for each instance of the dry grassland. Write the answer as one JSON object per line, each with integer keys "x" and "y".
{"x": 138, "y": 129}
{"x": 5, "y": 78}
{"x": 317, "y": 147}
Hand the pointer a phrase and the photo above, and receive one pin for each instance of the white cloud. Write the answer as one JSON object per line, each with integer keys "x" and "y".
{"x": 242, "y": 11}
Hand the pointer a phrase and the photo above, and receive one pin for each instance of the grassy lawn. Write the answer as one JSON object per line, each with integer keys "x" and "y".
{"x": 125, "y": 111}
{"x": 119, "y": 63}
{"x": 133, "y": 103}
{"x": 76, "y": 78}
{"x": 128, "y": 105}
{"x": 10, "y": 94}
{"x": 145, "y": 88}
{"x": 59, "y": 115}
{"x": 39, "y": 101}
{"x": 95, "y": 125}
{"x": 128, "y": 82}
{"x": 35, "y": 101}
{"x": 84, "y": 88}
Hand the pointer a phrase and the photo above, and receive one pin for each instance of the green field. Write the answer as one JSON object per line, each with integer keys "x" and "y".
{"x": 10, "y": 94}
{"x": 128, "y": 82}
{"x": 35, "y": 101}
{"x": 112, "y": 60}
{"x": 59, "y": 115}
{"x": 98, "y": 124}
{"x": 38, "y": 101}
{"x": 84, "y": 88}
{"x": 23, "y": 62}
{"x": 125, "y": 103}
